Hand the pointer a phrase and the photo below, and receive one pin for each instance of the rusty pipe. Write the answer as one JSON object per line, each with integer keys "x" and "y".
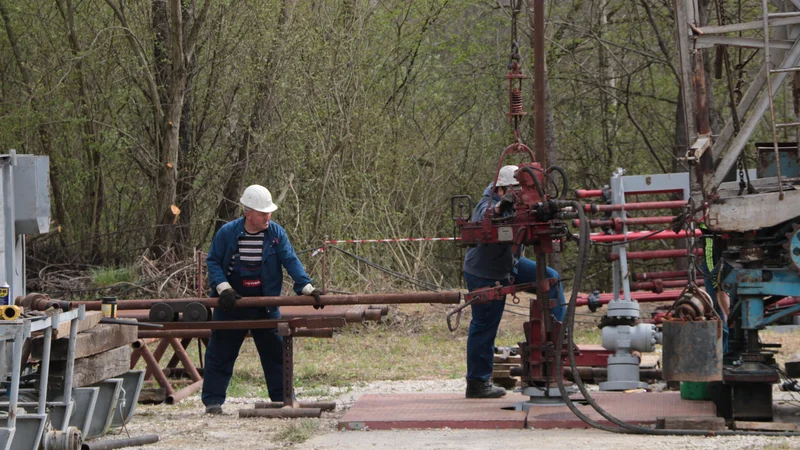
{"x": 636, "y": 206}
{"x": 654, "y": 254}
{"x": 644, "y": 276}
{"x": 184, "y": 357}
{"x": 183, "y": 393}
{"x": 153, "y": 364}
{"x": 281, "y": 412}
{"x": 641, "y": 297}
{"x": 121, "y": 443}
{"x": 323, "y": 406}
{"x": 658, "y": 285}
{"x": 206, "y": 334}
{"x": 351, "y": 315}
{"x": 299, "y": 300}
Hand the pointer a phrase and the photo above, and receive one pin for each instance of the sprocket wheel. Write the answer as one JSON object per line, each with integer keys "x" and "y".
{"x": 792, "y": 247}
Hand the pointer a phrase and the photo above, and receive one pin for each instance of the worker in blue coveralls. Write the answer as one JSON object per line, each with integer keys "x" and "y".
{"x": 485, "y": 265}
{"x": 245, "y": 260}
{"x": 711, "y": 265}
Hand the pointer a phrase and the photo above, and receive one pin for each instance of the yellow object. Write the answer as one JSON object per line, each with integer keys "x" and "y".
{"x": 109, "y": 307}
{"x": 10, "y": 312}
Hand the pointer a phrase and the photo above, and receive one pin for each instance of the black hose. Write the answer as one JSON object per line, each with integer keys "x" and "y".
{"x": 624, "y": 427}
{"x": 539, "y": 189}
{"x": 565, "y": 186}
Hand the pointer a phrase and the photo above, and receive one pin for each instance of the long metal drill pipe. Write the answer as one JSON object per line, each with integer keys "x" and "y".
{"x": 642, "y": 235}
{"x": 636, "y": 206}
{"x": 247, "y": 302}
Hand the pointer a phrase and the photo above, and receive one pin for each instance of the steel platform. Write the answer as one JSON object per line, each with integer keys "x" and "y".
{"x": 404, "y": 411}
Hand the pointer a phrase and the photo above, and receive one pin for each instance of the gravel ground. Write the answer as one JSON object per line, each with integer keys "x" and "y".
{"x": 185, "y": 426}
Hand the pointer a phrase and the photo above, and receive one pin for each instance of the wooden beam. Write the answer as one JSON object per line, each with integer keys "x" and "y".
{"x": 90, "y": 342}
{"x": 93, "y": 369}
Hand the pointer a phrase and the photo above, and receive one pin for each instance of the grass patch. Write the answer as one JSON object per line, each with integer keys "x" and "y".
{"x": 109, "y": 276}
{"x": 296, "y": 431}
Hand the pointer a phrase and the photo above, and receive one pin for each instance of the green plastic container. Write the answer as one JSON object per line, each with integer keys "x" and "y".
{"x": 695, "y": 390}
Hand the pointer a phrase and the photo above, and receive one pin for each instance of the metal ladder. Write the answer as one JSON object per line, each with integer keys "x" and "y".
{"x": 767, "y": 62}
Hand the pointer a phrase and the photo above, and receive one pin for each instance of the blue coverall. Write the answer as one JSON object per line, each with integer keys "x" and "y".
{"x": 485, "y": 265}
{"x": 710, "y": 277}
{"x": 223, "y": 347}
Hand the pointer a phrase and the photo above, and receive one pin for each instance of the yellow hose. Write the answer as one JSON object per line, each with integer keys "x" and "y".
{"x": 10, "y": 312}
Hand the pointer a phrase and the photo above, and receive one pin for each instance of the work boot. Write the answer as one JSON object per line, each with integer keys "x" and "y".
{"x": 483, "y": 389}
{"x": 214, "y": 410}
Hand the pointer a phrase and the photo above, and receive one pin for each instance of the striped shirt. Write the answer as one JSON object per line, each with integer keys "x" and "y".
{"x": 251, "y": 247}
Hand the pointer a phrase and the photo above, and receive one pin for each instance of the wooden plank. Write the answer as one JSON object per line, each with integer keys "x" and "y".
{"x": 507, "y": 359}
{"x": 91, "y": 319}
{"x": 94, "y": 368}
{"x": 650, "y": 361}
{"x": 90, "y": 342}
{"x": 764, "y": 426}
{"x": 691, "y": 423}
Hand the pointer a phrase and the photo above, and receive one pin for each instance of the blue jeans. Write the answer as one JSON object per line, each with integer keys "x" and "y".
{"x": 223, "y": 349}
{"x": 486, "y": 317}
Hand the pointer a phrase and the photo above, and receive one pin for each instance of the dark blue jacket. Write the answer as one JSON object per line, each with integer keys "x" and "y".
{"x": 277, "y": 252}
{"x": 492, "y": 261}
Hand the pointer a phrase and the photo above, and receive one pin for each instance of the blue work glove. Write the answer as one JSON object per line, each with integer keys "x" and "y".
{"x": 227, "y": 299}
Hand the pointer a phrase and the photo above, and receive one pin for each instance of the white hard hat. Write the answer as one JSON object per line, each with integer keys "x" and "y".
{"x": 506, "y": 177}
{"x": 258, "y": 198}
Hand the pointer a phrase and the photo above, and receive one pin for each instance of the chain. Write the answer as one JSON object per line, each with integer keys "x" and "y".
{"x": 740, "y": 166}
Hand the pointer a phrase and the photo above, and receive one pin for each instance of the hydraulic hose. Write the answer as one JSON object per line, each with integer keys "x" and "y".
{"x": 565, "y": 185}
{"x": 539, "y": 188}
{"x": 622, "y": 427}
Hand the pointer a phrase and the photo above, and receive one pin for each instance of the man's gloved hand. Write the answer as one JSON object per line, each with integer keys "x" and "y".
{"x": 227, "y": 299}
{"x": 506, "y": 202}
{"x": 316, "y": 293}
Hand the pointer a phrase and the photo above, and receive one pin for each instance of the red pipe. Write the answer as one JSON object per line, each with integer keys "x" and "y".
{"x": 654, "y": 254}
{"x": 642, "y": 235}
{"x": 630, "y": 221}
{"x": 646, "y": 297}
{"x": 205, "y": 334}
{"x": 658, "y": 286}
{"x": 586, "y": 193}
{"x": 636, "y": 206}
{"x": 644, "y": 276}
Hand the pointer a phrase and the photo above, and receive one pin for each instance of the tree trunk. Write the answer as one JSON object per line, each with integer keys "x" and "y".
{"x": 44, "y": 134}
{"x": 91, "y": 139}
{"x": 259, "y": 118}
